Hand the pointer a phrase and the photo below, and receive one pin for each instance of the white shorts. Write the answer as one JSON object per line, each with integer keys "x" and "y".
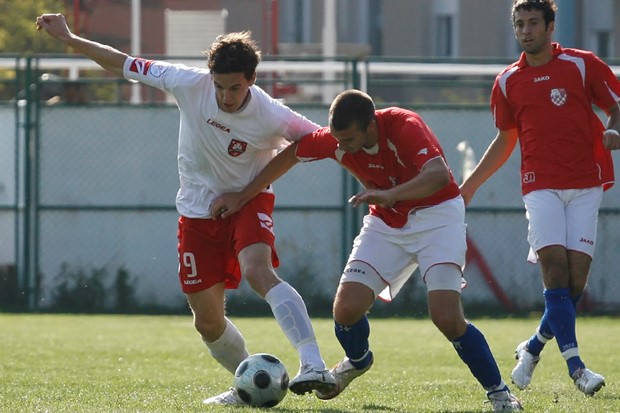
{"x": 431, "y": 236}
{"x": 566, "y": 217}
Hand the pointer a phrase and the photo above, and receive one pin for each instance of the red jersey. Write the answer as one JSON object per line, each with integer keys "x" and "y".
{"x": 560, "y": 135}
{"x": 405, "y": 144}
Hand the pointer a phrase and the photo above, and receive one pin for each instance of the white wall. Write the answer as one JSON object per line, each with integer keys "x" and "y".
{"x": 106, "y": 157}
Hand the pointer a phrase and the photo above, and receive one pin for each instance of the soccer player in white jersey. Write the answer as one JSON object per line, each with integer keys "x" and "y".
{"x": 544, "y": 101}
{"x": 229, "y": 130}
{"x": 416, "y": 219}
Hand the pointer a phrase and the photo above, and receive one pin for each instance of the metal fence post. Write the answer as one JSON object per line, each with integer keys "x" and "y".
{"x": 27, "y": 266}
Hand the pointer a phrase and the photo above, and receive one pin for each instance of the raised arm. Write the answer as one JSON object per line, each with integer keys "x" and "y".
{"x": 495, "y": 156}
{"x": 106, "y": 56}
{"x": 231, "y": 202}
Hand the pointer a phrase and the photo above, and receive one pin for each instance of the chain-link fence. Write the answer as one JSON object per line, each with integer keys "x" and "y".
{"x": 87, "y": 217}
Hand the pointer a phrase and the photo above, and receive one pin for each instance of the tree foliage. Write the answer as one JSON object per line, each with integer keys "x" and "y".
{"x": 18, "y": 32}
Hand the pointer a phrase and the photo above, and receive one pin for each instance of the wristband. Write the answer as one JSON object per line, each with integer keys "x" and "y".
{"x": 612, "y": 131}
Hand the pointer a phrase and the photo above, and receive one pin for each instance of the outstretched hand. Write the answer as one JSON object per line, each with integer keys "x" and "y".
{"x": 611, "y": 140}
{"x": 54, "y": 24}
{"x": 226, "y": 204}
{"x": 372, "y": 196}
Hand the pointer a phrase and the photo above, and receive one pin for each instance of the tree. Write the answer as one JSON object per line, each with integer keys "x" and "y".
{"x": 18, "y": 33}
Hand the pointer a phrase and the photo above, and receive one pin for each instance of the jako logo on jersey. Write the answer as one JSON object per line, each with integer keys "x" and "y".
{"x": 587, "y": 241}
{"x": 374, "y": 166}
{"x": 529, "y": 177}
{"x": 140, "y": 66}
{"x": 541, "y": 78}
{"x": 218, "y": 125}
{"x": 236, "y": 147}
{"x": 558, "y": 96}
{"x": 265, "y": 221}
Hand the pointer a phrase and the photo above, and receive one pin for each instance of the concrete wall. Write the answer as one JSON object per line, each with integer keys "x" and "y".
{"x": 94, "y": 159}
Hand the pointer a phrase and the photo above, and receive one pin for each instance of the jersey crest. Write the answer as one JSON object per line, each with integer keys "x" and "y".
{"x": 558, "y": 96}
{"x": 236, "y": 147}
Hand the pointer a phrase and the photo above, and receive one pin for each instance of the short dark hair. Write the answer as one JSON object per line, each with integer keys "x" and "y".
{"x": 548, "y": 7}
{"x": 234, "y": 52}
{"x": 351, "y": 106}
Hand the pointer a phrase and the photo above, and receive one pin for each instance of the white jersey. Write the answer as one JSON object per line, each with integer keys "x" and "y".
{"x": 218, "y": 151}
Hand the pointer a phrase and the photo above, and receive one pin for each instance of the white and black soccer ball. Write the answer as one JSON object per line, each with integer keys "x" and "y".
{"x": 261, "y": 380}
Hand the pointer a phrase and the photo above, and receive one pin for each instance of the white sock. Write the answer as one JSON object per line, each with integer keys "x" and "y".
{"x": 229, "y": 349}
{"x": 291, "y": 314}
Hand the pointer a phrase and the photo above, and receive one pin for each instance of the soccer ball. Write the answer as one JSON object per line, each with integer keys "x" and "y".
{"x": 261, "y": 380}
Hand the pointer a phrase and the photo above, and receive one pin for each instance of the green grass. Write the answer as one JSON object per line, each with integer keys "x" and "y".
{"x": 73, "y": 363}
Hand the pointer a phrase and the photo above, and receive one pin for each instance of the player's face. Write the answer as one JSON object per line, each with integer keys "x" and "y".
{"x": 530, "y": 31}
{"x": 352, "y": 139}
{"x": 231, "y": 90}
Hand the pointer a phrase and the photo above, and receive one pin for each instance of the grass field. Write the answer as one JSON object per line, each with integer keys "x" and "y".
{"x": 73, "y": 363}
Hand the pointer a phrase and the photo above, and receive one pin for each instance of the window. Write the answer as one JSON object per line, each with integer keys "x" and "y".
{"x": 443, "y": 35}
{"x": 295, "y": 21}
{"x": 445, "y": 21}
{"x": 603, "y": 40}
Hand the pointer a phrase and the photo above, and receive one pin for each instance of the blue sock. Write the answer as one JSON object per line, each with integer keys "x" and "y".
{"x": 474, "y": 350}
{"x": 561, "y": 319}
{"x": 536, "y": 344}
{"x": 543, "y": 334}
{"x": 354, "y": 341}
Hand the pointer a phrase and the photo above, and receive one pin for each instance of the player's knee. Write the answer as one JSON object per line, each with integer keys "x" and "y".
{"x": 446, "y": 312}
{"x": 348, "y": 311}
{"x": 261, "y": 279}
{"x": 450, "y": 324}
{"x": 356, "y": 293}
{"x": 209, "y": 329}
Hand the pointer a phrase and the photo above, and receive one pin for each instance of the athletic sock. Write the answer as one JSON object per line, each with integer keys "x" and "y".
{"x": 354, "y": 341}
{"x": 474, "y": 350}
{"x": 561, "y": 318}
{"x": 229, "y": 349}
{"x": 537, "y": 342}
{"x": 543, "y": 333}
{"x": 291, "y": 314}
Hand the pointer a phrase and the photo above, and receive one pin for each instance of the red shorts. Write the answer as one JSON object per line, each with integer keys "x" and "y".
{"x": 208, "y": 248}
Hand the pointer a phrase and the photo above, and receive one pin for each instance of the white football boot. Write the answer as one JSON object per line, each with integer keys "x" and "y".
{"x": 504, "y": 401}
{"x": 522, "y": 373}
{"x": 309, "y": 379}
{"x": 345, "y": 373}
{"x": 229, "y": 397}
{"x": 588, "y": 381}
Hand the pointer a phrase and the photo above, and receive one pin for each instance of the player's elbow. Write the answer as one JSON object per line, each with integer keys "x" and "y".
{"x": 441, "y": 177}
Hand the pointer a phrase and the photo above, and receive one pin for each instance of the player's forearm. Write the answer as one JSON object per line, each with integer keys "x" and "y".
{"x": 613, "y": 121}
{"x": 495, "y": 156}
{"x": 105, "y": 56}
{"x": 277, "y": 167}
{"x": 434, "y": 176}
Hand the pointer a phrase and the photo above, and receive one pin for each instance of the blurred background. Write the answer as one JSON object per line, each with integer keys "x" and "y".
{"x": 88, "y": 161}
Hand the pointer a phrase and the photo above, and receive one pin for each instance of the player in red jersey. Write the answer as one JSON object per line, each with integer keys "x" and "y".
{"x": 544, "y": 101}
{"x": 416, "y": 219}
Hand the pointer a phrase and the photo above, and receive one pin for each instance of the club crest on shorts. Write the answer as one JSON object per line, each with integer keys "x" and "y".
{"x": 265, "y": 221}
{"x": 236, "y": 147}
{"x": 558, "y": 96}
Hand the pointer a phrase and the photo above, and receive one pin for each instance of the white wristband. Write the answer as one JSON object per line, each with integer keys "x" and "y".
{"x": 612, "y": 131}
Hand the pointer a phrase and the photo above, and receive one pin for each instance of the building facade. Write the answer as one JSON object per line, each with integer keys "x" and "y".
{"x": 407, "y": 28}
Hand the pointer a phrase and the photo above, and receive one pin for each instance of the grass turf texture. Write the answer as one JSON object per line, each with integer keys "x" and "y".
{"x": 74, "y": 363}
